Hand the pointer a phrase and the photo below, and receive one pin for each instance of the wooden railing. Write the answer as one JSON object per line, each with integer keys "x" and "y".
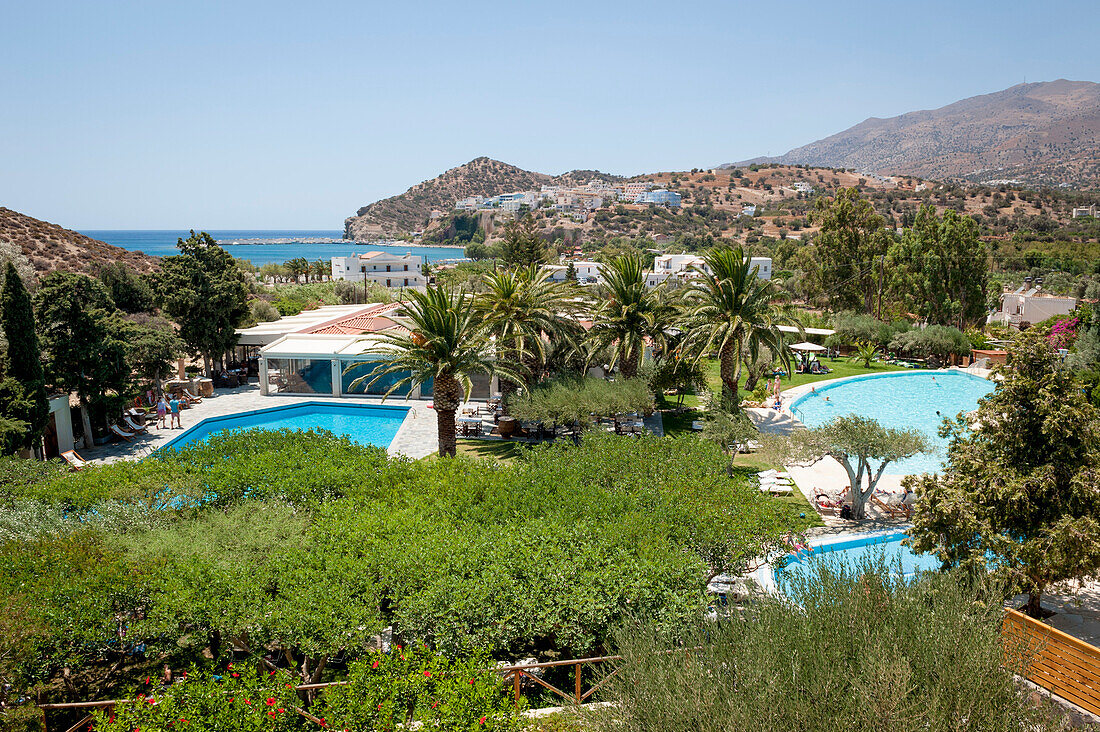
{"x": 1058, "y": 662}
{"x": 515, "y": 674}
{"x": 579, "y": 695}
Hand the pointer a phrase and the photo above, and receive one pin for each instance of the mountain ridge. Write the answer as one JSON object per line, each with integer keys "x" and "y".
{"x": 1039, "y": 134}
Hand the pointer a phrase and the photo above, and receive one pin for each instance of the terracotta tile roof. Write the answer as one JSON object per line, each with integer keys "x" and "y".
{"x": 371, "y": 320}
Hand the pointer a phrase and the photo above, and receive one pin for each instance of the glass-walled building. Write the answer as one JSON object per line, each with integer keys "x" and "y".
{"x": 341, "y": 365}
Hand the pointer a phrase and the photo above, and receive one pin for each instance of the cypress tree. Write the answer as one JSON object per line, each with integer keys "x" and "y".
{"x": 23, "y": 362}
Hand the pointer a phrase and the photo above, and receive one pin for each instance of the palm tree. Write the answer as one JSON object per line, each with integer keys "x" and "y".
{"x": 321, "y": 268}
{"x": 298, "y": 266}
{"x": 631, "y": 313}
{"x": 728, "y": 308}
{"x": 447, "y": 343}
{"x": 526, "y": 312}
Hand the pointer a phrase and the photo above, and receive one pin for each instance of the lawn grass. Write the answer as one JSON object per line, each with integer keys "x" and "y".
{"x": 839, "y": 368}
{"x": 503, "y": 450}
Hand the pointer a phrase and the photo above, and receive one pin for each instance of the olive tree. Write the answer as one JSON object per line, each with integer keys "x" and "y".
{"x": 862, "y": 446}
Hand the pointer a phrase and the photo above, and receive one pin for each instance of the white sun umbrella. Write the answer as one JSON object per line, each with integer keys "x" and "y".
{"x": 806, "y": 346}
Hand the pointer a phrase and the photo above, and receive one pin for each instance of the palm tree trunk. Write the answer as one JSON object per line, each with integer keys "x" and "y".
{"x": 727, "y": 369}
{"x": 628, "y": 364}
{"x": 446, "y": 394}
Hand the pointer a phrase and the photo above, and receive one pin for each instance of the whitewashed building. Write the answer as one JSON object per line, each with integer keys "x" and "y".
{"x": 682, "y": 267}
{"x": 1031, "y": 305}
{"x": 384, "y": 268}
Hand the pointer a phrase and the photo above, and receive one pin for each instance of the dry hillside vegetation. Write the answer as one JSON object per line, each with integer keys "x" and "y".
{"x": 483, "y": 176}
{"x": 1043, "y": 134}
{"x": 49, "y": 248}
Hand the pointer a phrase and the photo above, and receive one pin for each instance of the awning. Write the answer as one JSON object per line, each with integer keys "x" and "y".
{"x": 806, "y": 346}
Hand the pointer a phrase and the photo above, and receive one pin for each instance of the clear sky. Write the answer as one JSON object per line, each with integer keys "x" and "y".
{"x": 237, "y": 114}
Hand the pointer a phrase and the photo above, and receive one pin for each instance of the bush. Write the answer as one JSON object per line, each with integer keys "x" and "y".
{"x": 314, "y": 545}
{"x": 935, "y": 340}
{"x": 288, "y": 307}
{"x": 262, "y": 311}
{"x": 568, "y": 401}
{"x": 852, "y": 648}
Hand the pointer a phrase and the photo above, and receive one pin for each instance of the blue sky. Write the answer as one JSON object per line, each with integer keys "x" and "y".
{"x": 292, "y": 115}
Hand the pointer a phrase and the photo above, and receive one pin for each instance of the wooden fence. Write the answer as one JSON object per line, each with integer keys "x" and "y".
{"x": 1049, "y": 658}
{"x": 1053, "y": 660}
{"x": 510, "y": 674}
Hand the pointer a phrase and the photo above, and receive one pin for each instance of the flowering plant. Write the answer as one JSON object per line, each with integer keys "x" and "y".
{"x": 386, "y": 690}
{"x": 1063, "y": 333}
{"x": 208, "y": 703}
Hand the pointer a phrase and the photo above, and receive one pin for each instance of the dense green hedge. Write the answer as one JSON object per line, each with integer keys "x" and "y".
{"x": 309, "y": 546}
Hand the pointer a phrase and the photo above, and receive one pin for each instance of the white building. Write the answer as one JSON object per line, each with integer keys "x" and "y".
{"x": 385, "y": 268}
{"x": 631, "y": 191}
{"x": 682, "y": 267}
{"x": 1086, "y": 211}
{"x": 803, "y": 187}
{"x": 473, "y": 203}
{"x": 749, "y": 209}
{"x": 588, "y": 273}
{"x": 1031, "y": 305}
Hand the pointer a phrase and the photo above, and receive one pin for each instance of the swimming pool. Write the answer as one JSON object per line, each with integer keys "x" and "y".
{"x": 851, "y": 553}
{"x": 366, "y": 424}
{"x": 918, "y": 401}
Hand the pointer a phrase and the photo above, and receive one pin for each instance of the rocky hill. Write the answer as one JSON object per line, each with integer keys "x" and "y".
{"x": 49, "y": 248}
{"x": 411, "y": 210}
{"x": 1042, "y": 134}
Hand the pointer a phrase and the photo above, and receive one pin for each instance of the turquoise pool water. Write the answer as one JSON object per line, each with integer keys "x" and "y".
{"x": 902, "y": 400}
{"x": 365, "y": 424}
{"x": 852, "y": 553}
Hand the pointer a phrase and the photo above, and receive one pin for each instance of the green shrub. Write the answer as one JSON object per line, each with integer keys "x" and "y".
{"x": 412, "y": 684}
{"x": 853, "y": 648}
{"x": 286, "y": 307}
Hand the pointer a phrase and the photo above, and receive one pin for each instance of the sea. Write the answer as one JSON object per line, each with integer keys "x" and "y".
{"x": 267, "y": 246}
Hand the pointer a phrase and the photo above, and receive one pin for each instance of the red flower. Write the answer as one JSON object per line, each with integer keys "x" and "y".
{"x": 271, "y": 714}
{"x": 183, "y": 720}
{"x": 435, "y": 704}
{"x": 248, "y": 701}
{"x": 152, "y": 700}
{"x": 374, "y": 665}
{"x": 230, "y": 698}
{"x": 471, "y": 682}
{"x": 428, "y": 673}
{"x": 271, "y": 672}
{"x": 280, "y": 710}
{"x": 147, "y": 679}
{"x": 229, "y": 666}
{"x": 271, "y": 701}
{"x": 481, "y": 721}
{"x": 235, "y": 674}
{"x": 379, "y": 707}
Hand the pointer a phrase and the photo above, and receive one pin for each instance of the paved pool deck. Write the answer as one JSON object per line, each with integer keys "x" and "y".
{"x": 416, "y": 438}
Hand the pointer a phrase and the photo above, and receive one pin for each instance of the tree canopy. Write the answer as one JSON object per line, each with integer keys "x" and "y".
{"x": 1019, "y": 492}
{"x": 23, "y": 389}
{"x": 203, "y": 290}
{"x": 581, "y": 401}
{"x": 940, "y": 269}
{"x": 851, "y": 247}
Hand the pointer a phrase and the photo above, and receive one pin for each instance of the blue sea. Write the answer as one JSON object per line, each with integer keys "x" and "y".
{"x": 277, "y": 246}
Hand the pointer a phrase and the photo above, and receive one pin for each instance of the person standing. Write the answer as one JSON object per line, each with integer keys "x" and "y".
{"x": 162, "y": 412}
{"x": 174, "y": 406}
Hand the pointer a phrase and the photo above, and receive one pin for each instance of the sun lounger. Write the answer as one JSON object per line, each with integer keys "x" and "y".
{"x": 889, "y": 510}
{"x": 134, "y": 426}
{"x": 190, "y": 397}
{"x": 122, "y": 433}
{"x": 777, "y": 489}
{"x": 74, "y": 460}
{"x": 696, "y": 425}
